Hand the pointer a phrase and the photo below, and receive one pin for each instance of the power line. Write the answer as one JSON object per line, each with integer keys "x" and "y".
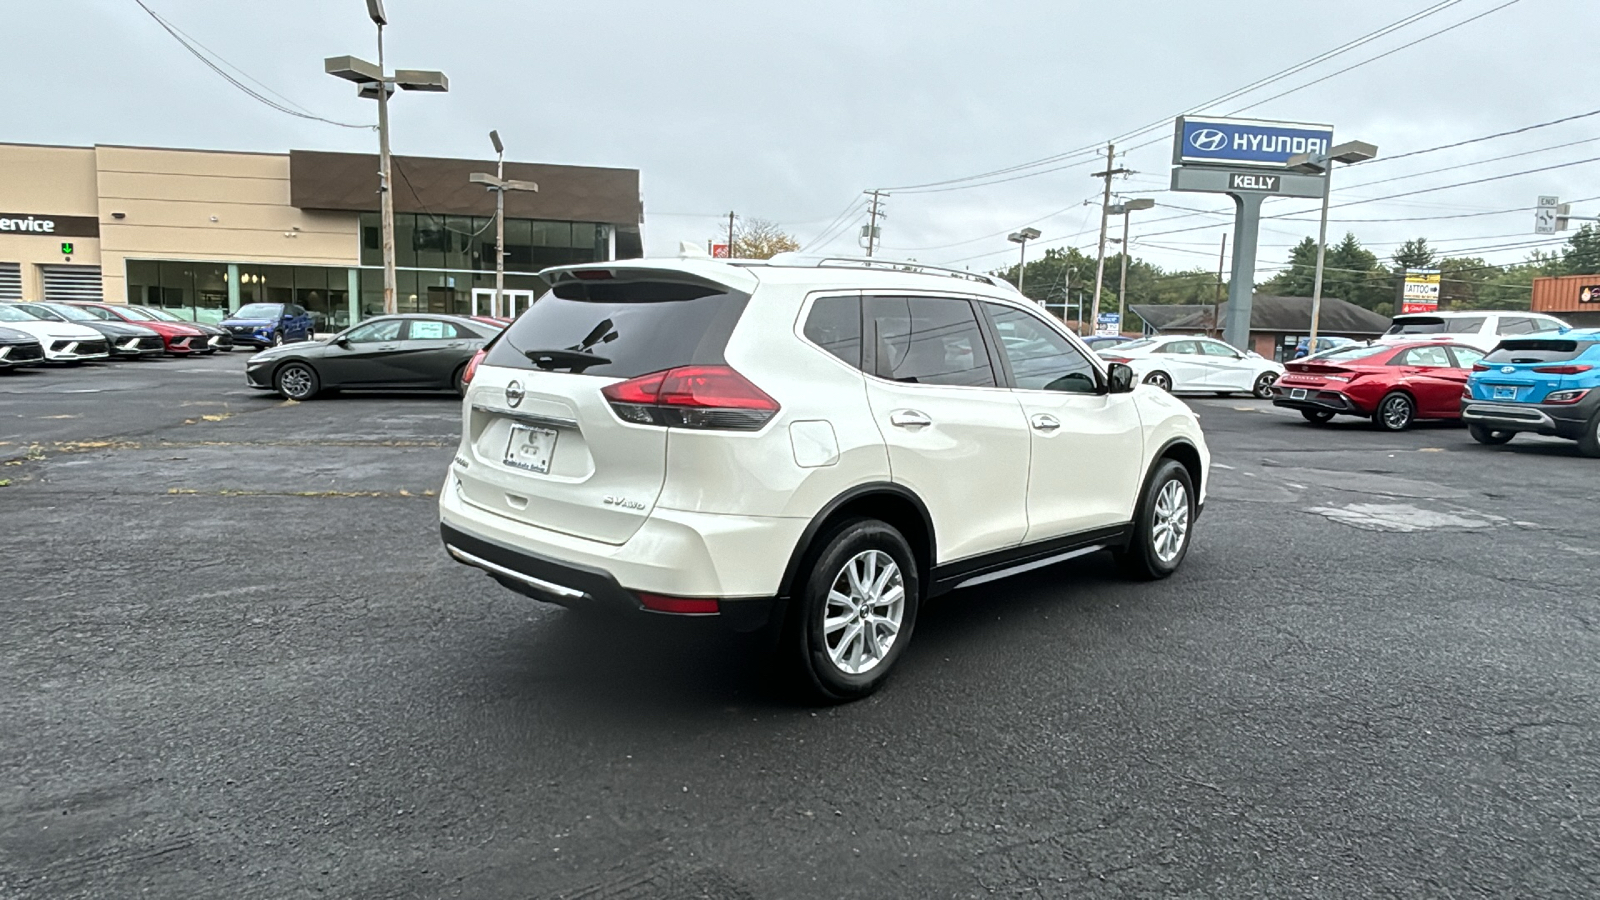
{"x": 196, "y": 50}
{"x": 1487, "y": 137}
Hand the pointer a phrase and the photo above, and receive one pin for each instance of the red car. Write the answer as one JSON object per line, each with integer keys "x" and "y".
{"x": 1394, "y": 385}
{"x": 180, "y": 339}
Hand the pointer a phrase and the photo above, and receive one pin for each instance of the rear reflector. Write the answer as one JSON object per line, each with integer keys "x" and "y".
{"x": 1562, "y": 370}
{"x": 1117, "y": 359}
{"x": 691, "y": 606}
{"x": 708, "y": 397}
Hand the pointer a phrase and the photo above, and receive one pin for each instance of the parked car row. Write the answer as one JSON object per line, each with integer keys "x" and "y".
{"x": 82, "y": 332}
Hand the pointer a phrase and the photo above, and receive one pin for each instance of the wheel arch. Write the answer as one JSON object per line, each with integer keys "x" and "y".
{"x": 1186, "y": 454}
{"x": 278, "y": 367}
{"x": 885, "y": 501}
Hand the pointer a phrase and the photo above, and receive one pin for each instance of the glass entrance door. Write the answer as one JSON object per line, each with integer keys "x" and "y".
{"x": 512, "y": 303}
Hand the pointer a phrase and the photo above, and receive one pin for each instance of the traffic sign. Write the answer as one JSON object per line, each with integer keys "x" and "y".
{"x": 1544, "y": 215}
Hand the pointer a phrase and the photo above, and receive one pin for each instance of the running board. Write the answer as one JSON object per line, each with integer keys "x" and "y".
{"x": 1029, "y": 566}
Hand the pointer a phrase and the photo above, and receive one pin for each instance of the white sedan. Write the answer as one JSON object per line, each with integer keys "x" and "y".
{"x": 1193, "y": 363}
{"x": 63, "y": 341}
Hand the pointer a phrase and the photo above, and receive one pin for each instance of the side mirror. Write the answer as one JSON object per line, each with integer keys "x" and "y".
{"x": 1120, "y": 378}
{"x": 342, "y": 341}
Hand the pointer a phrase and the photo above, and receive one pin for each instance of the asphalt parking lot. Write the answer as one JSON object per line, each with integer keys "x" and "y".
{"x": 235, "y": 662}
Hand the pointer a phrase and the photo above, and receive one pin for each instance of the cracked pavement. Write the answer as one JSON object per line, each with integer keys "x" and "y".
{"x": 236, "y": 663}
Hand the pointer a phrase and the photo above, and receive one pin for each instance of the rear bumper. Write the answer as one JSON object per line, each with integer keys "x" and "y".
{"x": 1316, "y": 400}
{"x": 1557, "y": 420}
{"x": 737, "y": 560}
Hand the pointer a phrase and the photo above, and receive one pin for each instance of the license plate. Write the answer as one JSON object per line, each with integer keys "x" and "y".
{"x": 1505, "y": 393}
{"x": 530, "y": 448}
{"x": 1297, "y": 394}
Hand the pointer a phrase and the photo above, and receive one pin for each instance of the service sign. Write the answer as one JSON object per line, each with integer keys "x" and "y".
{"x": 49, "y": 226}
{"x": 1421, "y": 291}
{"x": 1245, "y": 142}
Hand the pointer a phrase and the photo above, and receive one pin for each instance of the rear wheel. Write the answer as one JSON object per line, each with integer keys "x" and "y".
{"x": 459, "y": 379}
{"x": 1264, "y": 383}
{"x": 855, "y": 613}
{"x": 1161, "y": 530}
{"x": 1589, "y": 443}
{"x": 1317, "y": 416}
{"x": 277, "y": 339}
{"x": 1483, "y": 434}
{"x": 1396, "y": 412}
{"x": 296, "y": 381}
{"x": 1159, "y": 379}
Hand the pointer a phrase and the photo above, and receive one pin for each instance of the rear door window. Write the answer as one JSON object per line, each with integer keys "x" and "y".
{"x": 1427, "y": 357}
{"x": 1515, "y": 325}
{"x": 1530, "y": 350}
{"x": 928, "y": 340}
{"x": 433, "y": 330}
{"x": 621, "y": 329}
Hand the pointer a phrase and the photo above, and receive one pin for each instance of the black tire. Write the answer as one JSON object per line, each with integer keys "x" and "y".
{"x": 1263, "y": 386}
{"x": 1161, "y": 380}
{"x": 1317, "y": 416}
{"x": 277, "y": 339}
{"x": 1483, "y": 434}
{"x": 1142, "y": 559}
{"x": 806, "y": 647}
{"x": 1589, "y": 442}
{"x": 456, "y": 380}
{"x": 1396, "y": 412}
{"x": 296, "y": 381}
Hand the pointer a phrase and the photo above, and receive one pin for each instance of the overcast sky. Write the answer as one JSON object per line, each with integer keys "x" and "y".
{"x": 788, "y": 111}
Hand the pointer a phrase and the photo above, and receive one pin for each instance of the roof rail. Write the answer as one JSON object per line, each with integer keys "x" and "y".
{"x": 873, "y": 262}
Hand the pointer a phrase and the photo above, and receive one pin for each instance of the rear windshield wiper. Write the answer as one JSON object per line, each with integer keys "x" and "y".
{"x": 575, "y": 360}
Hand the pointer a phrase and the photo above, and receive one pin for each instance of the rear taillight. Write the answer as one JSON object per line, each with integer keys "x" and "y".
{"x": 1562, "y": 370}
{"x": 472, "y": 366}
{"x": 1117, "y": 359}
{"x": 713, "y": 397}
{"x": 1479, "y": 367}
{"x": 1566, "y": 396}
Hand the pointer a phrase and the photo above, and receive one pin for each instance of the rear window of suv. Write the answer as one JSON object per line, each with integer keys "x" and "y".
{"x": 621, "y": 329}
{"x": 1436, "y": 325}
{"x": 1527, "y": 350}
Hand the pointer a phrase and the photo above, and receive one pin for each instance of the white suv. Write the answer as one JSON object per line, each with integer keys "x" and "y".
{"x": 1483, "y": 330}
{"x": 818, "y": 446}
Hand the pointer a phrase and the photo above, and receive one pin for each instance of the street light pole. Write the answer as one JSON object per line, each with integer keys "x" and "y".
{"x": 1348, "y": 152}
{"x": 1125, "y": 208}
{"x": 499, "y": 184}
{"x": 1022, "y": 237}
{"x": 375, "y": 81}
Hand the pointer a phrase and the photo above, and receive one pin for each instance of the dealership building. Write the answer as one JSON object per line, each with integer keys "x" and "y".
{"x": 201, "y": 232}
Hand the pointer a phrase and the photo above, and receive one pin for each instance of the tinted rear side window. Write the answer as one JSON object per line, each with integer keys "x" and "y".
{"x": 834, "y": 324}
{"x": 1537, "y": 351}
{"x": 621, "y": 329}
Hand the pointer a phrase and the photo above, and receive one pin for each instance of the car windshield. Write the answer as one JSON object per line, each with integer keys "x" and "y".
{"x": 14, "y": 314}
{"x": 1133, "y": 345}
{"x": 71, "y": 313}
{"x": 160, "y": 314}
{"x": 134, "y": 312}
{"x": 1436, "y": 325}
{"x": 259, "y": 311}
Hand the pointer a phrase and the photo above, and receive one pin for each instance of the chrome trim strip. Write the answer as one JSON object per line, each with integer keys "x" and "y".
{"x": 1029, "y": 566}
{"x": 1493, "y": 413}
{"x": 531, "y": 418}
{"x": 539, "y": 583}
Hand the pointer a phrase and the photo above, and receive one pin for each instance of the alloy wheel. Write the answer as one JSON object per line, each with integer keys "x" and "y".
{"x": 1264, "y": 384}
{"x": 295, "y": 382}
{"x": 1396, "y": 412}
{"x": 862, "y": 617}
{"x": 1160, "y": 380}
{"x": 1169, "y": 527}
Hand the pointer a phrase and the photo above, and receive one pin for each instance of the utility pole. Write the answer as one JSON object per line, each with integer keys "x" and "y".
{"x": 730, "y": 234}
{"x": 499, "y": 184}
{"x": 1216, "y": 303}
{"x": 872, "y": 221}
{"x": 385, "y": 195}
{"x": 1105, "y": 211}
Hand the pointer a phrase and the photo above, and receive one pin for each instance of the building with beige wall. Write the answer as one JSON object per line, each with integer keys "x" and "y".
{"x": 202, "y": 232}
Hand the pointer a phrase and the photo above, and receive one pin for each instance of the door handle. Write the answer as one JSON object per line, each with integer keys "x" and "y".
{"x": 909, "y": 418}
{"x": 388, "y": 347}
{"x": 1044, "y": 422}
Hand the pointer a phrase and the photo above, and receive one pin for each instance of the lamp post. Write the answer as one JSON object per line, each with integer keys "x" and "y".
{"x": 499, "y": 184}
{"x": 376, "y": 83}
{"x": 1322, "y": 163}
{"x": 1123, "y": 209}
{"x": 1022, "y": 238}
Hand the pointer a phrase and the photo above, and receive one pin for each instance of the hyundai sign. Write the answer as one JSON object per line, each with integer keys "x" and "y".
{"x": 1245, "y": 142}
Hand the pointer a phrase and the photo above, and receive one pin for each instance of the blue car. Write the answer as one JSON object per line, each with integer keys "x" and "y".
{"x": 1324, "y": 344}
{"x": 269, "y": 324}
{"x": 1548, "y": 384}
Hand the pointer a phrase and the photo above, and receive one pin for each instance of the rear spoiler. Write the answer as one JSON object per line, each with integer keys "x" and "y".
{"x": 704, "y": 273}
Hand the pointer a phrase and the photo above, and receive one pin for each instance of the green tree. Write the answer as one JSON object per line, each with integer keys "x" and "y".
{"x": 1349, "y": 272}
{"x": 1581, "y": 255}
{"x": 1415, "y": 254}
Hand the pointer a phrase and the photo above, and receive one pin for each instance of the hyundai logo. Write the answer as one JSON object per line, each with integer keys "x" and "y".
{"x": 1207, "y": 140}
{"x": 1508, "y": 369}
{"x": 514, "y": 393}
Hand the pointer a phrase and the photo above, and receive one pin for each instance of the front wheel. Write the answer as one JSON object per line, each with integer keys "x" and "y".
{"x": 1486, "y": 435}
{"x": 296, "y": 381}
{"x": 855, "y": 614}
{"x": 1162, "y": 528}
{"x": 277, "y": 339}
{"x": 1317, "y": 416}
{"x": 1263, "y": 386}
{"x": 1161, "y": 380}
{"x": 1396, "y": 412}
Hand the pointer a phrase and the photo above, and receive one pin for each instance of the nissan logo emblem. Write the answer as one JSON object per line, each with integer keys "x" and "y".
{"x": 514, "y": 393}
{"x": 1207, "y": 140}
